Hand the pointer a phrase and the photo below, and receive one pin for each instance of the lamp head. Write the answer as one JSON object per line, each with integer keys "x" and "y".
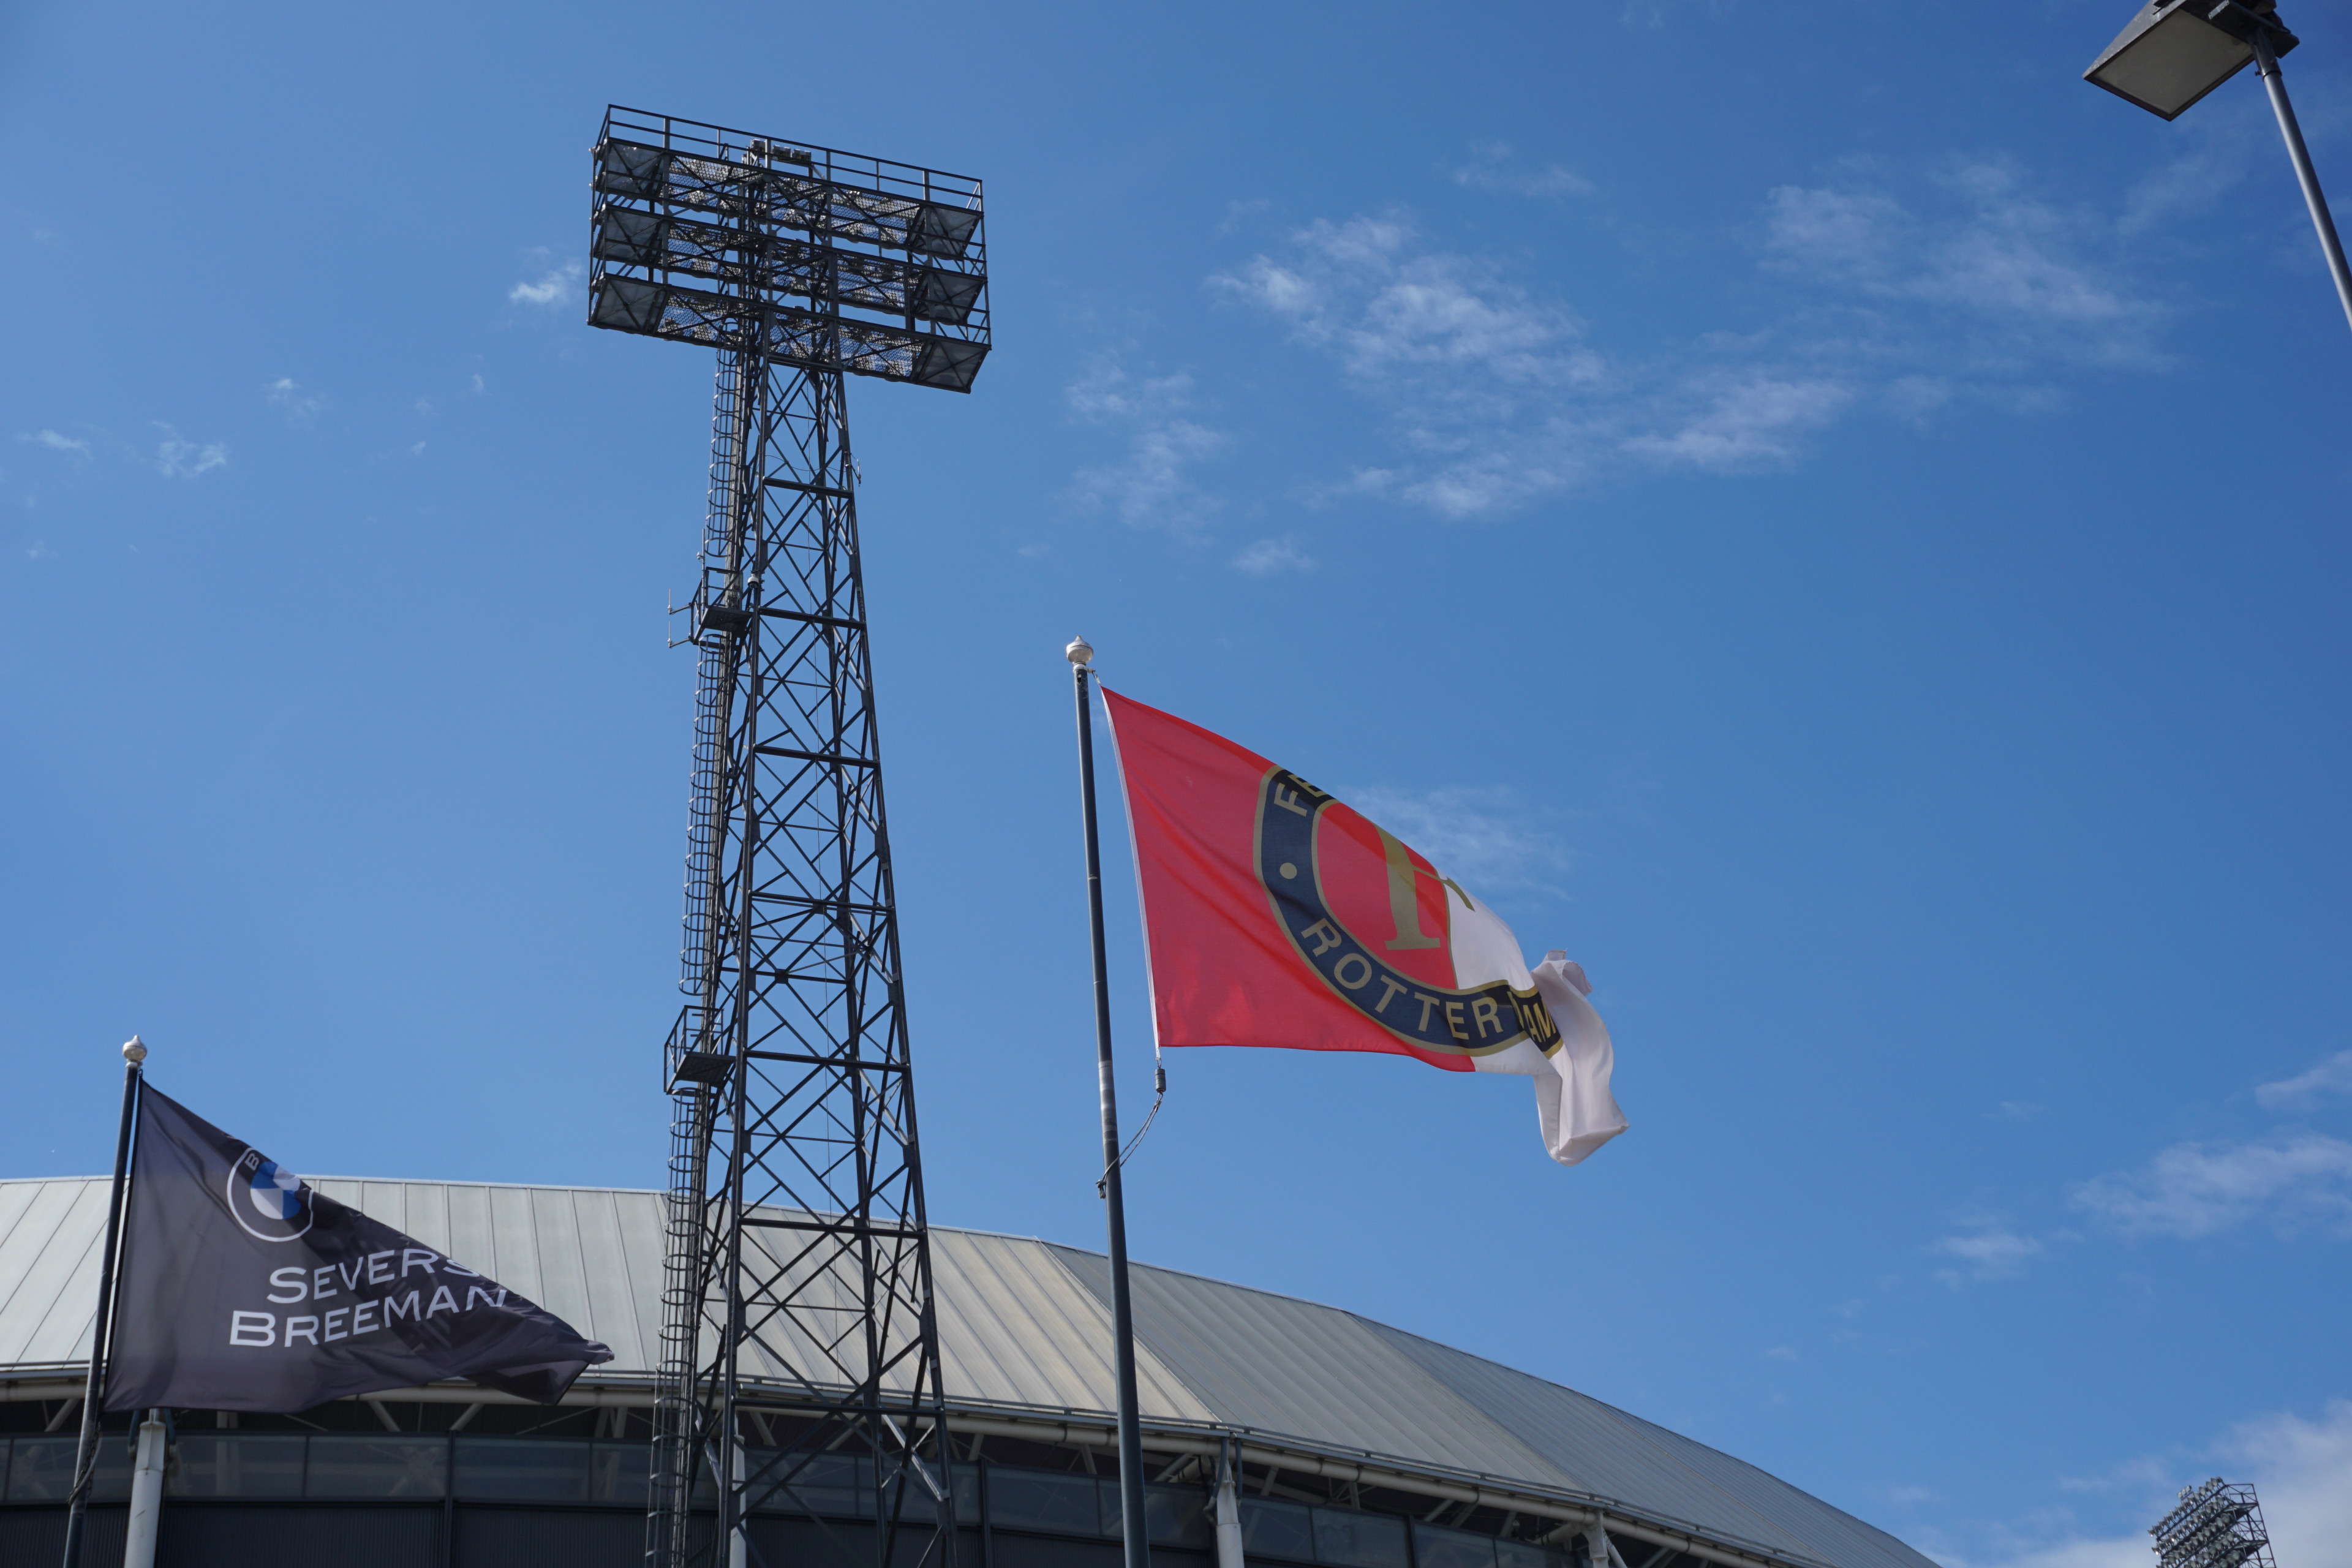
{"x": 1080, "y": 652}
{"x": 2174, "y": 52}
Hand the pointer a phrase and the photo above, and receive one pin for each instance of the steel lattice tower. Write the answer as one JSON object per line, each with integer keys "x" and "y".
{"x": 800, "y": 1354}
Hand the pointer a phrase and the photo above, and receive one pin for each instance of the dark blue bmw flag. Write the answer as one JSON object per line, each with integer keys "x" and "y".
{"x": 243, "y": 1290}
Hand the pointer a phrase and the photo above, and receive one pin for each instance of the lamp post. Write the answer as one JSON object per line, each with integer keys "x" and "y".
{"x": 2174, "y": 52}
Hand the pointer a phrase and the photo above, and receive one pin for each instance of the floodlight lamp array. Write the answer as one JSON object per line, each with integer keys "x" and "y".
{"x": 2217, "y": 1525}
{"x": 801, "y": 255}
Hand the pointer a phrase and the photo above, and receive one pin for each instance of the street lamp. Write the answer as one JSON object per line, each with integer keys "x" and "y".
{"x": 2174, "y": 52}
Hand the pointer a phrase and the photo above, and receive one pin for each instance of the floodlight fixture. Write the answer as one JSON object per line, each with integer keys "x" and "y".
{"x": 2217, "y": 1525}
{"x": 798, "y": 254}
{"x": 2174, "y": 52}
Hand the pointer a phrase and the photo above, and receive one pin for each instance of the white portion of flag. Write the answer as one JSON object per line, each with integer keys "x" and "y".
{"x": 1573, "y": 1105}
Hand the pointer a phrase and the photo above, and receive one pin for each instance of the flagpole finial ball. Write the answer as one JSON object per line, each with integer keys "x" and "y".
{"x": 1080, "y": 652}
{"x": 134, "y": 1051}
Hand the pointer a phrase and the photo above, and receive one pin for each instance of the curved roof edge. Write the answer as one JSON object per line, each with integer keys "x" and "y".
{"x": 1024, "y": 1328}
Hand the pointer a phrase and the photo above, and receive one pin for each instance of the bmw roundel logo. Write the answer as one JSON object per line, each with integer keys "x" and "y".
{"x": 269, "y": 1200}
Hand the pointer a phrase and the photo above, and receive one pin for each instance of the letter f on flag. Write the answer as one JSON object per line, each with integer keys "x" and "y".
{"x": 1274, "y": 915}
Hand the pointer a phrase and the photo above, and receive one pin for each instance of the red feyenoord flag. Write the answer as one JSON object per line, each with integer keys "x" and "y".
{"x": 1277, "y": 916}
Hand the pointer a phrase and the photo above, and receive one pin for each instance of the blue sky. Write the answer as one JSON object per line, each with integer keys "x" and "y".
{"x": 1822, "y": 514}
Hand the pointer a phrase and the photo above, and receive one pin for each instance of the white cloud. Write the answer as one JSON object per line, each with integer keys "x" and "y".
{"x": 2047, "y": 281}
{"x": 2289, "y": 1181}
{"x": 2301, "y": 1469}
{"x": 1486, "y": 838}
{"x": 1492, "y": 168}
{"x": 2121, "y": 1551}
{"x": 183, "y": 460}
{"x": 2193, "y": 183}
{"x": 1151, "y": 485}
{"x": 56, "y": 442}
{"x": 2019, "y": 1110}
{"x": 1903, "y": 300}
{"x": 1780, "y": 1352}
{"x": 1990, "y": 1251}
{"x": 1747, "y": 421}
{"x": 2331, "y": 1077}
{"x": 1371, "y": 291}
{"x": 1268, "y": 556}
{"x": 554, "y": 286}
{"x": 287, "y": 396}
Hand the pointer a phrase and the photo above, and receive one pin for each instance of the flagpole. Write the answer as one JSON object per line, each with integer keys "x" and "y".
{"x": 94, "y": 1390}
{"x": 1122, "y": 1317}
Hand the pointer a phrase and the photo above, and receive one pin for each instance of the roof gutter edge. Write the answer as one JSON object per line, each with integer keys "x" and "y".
{"x": 1401, "y": 1475}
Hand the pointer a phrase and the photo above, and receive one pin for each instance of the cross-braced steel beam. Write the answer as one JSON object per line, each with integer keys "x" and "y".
{"x": 800, "y": 1354}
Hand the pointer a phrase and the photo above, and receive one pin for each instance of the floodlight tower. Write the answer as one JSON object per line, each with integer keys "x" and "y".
{"x": 800, "y": 1350}
{"x": 2217, "y": 1525}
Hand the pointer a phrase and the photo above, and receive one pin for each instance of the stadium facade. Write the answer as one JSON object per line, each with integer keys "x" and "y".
{"x": 1352, "y": 1445}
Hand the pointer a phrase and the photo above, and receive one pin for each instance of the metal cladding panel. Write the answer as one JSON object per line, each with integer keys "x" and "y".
{"x": 514, "y": 1244}
{"x": 1280, "y": 1365}
{"x": 620, "y": 1240}
{"x": 48, "y": 1268}
{"x": 1607, "y": 1452}
{"x": 1017, "y": 1329}
{"x": 590, "y": 1256}
{"x": 470, "y": 1229}
{"x": 563, "y": 1268}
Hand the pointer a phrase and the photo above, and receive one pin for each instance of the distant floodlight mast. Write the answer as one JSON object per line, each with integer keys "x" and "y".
{"x": 799, "y": 1344}
{"x": 2176, "y": 51}
{"x": 2217, "y": 1525}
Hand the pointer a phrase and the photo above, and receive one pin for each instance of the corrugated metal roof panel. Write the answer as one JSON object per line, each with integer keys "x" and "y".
{"x": 48, "y": 1271}
{"x": 1277, "y": 1364}
{"x": 1016, "y": 1329}
{"x": 1604, "y": 1451}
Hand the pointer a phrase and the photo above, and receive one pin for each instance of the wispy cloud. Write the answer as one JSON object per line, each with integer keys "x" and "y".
{"x": 1894, "y": 302}
{"x": 55, "y": 443}
{"x": 1485, "y": 837}
{"x": 2019, "y": 1110}
{"x": 2330, "y": 1078}
{"x": 556, "y": 285}
{"x": 2045, "y": 279}
{"x": 1372, "y": 292}
{"x": 2301, "y": 1467}
{"x": 2291, "y": 1181}
{"x": 1989, "y": 1250}
{"x": 183, "y": 460}
{"x": 1474, "y": 368}
{"x": 1746, "y": 420}
{"x": 1494, "y": 166}
{"x": 1269, "y": 556}
{"x": 287, "y": 395}
{"x": 1151, "y": 485}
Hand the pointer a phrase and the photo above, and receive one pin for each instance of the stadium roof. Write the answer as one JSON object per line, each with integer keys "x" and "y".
{"x": 1025, "y": 1338}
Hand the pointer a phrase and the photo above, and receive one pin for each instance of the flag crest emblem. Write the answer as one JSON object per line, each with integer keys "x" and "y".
{"x": 1337, "y": 882}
